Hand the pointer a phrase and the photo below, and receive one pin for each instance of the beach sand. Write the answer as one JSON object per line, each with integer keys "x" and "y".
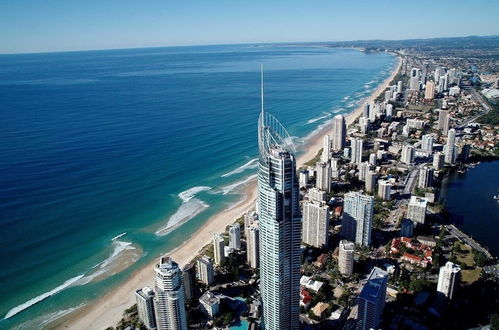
{"x": 108, "y": 310}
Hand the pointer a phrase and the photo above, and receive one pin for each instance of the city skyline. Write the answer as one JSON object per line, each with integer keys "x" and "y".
{"x": 78, "y": 25}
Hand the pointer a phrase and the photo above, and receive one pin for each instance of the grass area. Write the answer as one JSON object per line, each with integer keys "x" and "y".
{"x": 470, "y": 273}
{"x": 314, "y": 160}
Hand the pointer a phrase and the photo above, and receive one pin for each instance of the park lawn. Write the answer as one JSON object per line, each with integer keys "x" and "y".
{"x": 472, "y": 273}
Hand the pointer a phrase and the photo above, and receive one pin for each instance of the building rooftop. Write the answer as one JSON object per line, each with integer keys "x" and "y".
{"x": 309, "y": 283}
{"x": 146, "y": 292}
{"x": 370, "y": 291}
{"x": 418, "y": 201}
{"x": 209, "y": 298}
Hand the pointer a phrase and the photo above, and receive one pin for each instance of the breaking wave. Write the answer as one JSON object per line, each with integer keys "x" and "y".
{"x": 189, "y": 208}
{"x": 249, "y": 165}
{"x": 42, "y": 297}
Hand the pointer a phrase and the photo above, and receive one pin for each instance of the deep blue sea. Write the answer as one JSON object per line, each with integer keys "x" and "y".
{"x": 104, "y": 153}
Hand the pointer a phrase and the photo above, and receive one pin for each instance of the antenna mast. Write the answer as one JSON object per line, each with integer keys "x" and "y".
{"x": 261, "y": 92}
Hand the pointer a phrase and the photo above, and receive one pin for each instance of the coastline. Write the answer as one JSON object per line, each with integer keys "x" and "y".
{"x": 108, "y": 310}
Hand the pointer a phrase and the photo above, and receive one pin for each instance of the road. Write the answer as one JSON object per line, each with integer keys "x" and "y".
{"x": 411, "y": 180}
{"x": 468, "y": 240}
{"x": 484, "y": 104}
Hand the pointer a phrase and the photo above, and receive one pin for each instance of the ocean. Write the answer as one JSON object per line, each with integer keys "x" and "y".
{"x": 108, "y": 158}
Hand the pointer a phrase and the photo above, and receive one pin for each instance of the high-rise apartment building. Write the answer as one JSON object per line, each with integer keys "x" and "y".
{"x": 370, "y": 181}
{"x": 253, "y": 245}
{"x": 145, "y": 307}
{"x": 438, "y": 161}
{"x": 356, "y": 146}
{"x": 204, "y": 270}
{"x": 427, "y": 143}
{"x": 218, "y": 248}
{"x": 429, "y": 92}
{"x": 189, "y": 280}
{"x": 326, "y": 149}
{"x": 384, "y": 190}
{"x": 407, "y": 154}
{"x": 345, "y": 257}
{"x": 169, "y": 300}
{"x": 315, "y": 223}
{"x": 443, "y": 120}
{"x": 450, "y": 149}
{"x": 323, "y": 176}
{"x": 416, "y": 209}
{"x": 339, "y": 133}
{"x": 425, "y": 177}
{"x": 447, "y": 279}
{"x": 235, "y": 236}
{"x": 357, "y": 218}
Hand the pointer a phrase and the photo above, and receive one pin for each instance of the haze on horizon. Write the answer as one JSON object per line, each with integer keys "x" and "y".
{"x": 61, "y": 25}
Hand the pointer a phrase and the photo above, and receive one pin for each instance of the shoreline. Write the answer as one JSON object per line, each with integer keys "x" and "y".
{"x": 108, "y": 310}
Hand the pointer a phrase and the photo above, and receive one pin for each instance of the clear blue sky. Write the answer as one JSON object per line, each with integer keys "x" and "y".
{"x": 52, "y": 25}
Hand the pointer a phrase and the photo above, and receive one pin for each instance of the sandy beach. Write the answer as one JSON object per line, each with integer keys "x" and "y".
{"x": 107, "y": 310}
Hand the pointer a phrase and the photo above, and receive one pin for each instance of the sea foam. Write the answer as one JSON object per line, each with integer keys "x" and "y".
{"x": 225, "y": 190}
{"x": 249, "y": 165}
{"x": 189, "y": 208}
{"x": 41, "y": 297}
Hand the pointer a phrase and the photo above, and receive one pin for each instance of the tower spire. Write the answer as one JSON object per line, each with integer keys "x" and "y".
{"x": 261, "y": 91}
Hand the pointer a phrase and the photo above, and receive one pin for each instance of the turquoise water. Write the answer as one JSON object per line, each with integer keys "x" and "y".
{"x": 104, "y": 143}
{"x": 243, "y": 325}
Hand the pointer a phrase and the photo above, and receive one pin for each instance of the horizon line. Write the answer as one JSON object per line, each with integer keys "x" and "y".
{"x": 240, "y": 43}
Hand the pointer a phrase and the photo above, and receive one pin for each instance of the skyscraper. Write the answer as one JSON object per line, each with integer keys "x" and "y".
{"x": 447, "y": 279}
{"x": 416, "y": 209}
{"x": 363, "y": 169}
{"x": 357, "y": 218}
{"x": 371, "y": 300}
{"x": 326, "y": 149}
{"x": 384, "y": 190}
{"x": 429, "y": 92}
{"x": 357, "y": 146}
{"x": 315, "y": 223}
{"x": 235, "y": 236}
{"x": 406, "y": 228}
{"x": 169, "y": 301}
{"x": 443, "y": 120}
{"x": 345, "y": 257}
{"x": 218, "y": 248}
{"x": 450, "y": 149}
{"x": 145, "y": 307}
{"x": 427, "y": 143}
{"x": 189, "y": 280}
{"x": 280, "y": 225}
{"x": 253, "y": 245}
{"x": 339, "y": 133}
{"x": 323, "y": 176}
{"x": 204, "y": 270}
{"x": 425, "y": 177}
{"x": 438, "y": 161}
{"x": 407, "y": 154}
{"x": 366, "y": 109}
{"x": 370, "y": 181}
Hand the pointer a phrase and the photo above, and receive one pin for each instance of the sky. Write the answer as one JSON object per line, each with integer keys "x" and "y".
{"x": 62, "y": 25}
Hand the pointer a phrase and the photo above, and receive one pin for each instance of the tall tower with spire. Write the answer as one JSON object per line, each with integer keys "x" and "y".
{"x": 280, "y": 224}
